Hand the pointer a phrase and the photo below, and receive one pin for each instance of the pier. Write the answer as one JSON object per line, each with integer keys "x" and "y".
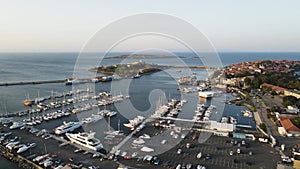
{"x": 21, "y": 161}
{"x": 31, "y": 82}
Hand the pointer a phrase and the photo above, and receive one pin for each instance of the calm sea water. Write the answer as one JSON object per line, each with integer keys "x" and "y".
{"x": 50, "y": 66}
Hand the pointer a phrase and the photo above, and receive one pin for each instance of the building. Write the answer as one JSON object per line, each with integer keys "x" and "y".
{"x": 277, "y": 89}
{"x": 296, "y": 162}
{"x": 243, "y": 136}
{"x": 292, "y": 93}
{"x": 292, "y": 110}
{"x": 289, "y": 127}
{"x": 281, "y": 90}
{"x": 224, "y": 127}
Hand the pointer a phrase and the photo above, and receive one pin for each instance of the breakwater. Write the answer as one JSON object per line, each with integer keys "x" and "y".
{"x": 31, "y": 82}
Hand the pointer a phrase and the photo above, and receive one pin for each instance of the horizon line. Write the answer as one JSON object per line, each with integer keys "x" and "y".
{"x": 218, "y": 51}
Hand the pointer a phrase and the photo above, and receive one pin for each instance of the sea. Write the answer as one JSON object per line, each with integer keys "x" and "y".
{"x": 145, "y": 91}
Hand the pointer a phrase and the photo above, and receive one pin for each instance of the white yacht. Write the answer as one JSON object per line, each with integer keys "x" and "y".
{"x": 23, "y": 148}
{"x": 111, "y": 113}
{"x": 16, "y": 125}
{"x": 135, "y": 122}
{"x": 86, "y": 139}
{"x": 66, "y": 127}
{"x": 92, "y": 119}
{"x": 114, "y": 132}
{"x": 205, "y": 94}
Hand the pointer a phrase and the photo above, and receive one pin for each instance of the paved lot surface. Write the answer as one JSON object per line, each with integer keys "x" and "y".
{"x": 219, "y": 148}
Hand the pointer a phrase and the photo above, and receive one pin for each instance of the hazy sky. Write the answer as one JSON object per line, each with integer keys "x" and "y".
{"x": 66, "y": 25}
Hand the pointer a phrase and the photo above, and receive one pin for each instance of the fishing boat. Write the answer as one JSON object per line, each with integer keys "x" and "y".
{"x": 86, "y": 139}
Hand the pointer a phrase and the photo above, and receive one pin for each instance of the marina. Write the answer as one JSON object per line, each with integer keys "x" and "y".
{"x": 167, "y": 112}
{"x": 173, "y": 119}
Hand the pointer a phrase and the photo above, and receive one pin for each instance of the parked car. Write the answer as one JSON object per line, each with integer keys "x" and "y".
{"x": 179, "y": 151}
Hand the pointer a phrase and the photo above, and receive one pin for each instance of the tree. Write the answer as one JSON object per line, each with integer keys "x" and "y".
{"x": 275, "y": 109}
{"x": 263, "y": 127}
{"x": 289, "y": 101}
{"x": 247, "y": 81}
{"x": 273, "y": 93}
{"x": 296, "y": 121}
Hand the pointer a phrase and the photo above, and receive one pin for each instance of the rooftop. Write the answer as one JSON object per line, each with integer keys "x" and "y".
{"x": 278, "y": 88}
{"x": 288, "y": 125}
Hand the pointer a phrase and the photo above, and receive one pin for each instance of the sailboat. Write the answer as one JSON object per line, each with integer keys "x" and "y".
{"x": 27, "y": 102}
{"x": 39, "y": 99}
{"x": 114, "y": 132}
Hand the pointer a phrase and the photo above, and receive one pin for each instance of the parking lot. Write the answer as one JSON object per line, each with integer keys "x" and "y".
{"x": 252, "y": 154}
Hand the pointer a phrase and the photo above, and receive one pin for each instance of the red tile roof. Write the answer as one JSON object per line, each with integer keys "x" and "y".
{"x": 288, "y": 125}
{"x": 273, "y": 87}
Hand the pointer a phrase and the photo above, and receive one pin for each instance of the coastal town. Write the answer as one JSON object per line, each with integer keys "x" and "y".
{"x": 272, "y": 124}
{"x": 149, "y": 84}
{"x": 275, "y": 103}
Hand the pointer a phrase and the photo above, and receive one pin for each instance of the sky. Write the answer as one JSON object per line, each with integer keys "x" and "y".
{"x": 230, "y": 25}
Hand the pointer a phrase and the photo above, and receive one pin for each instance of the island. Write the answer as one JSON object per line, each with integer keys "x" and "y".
{"x": 141, "y": 56}
{"x": 138, "y": 68}
{"x": 129, "y": 70}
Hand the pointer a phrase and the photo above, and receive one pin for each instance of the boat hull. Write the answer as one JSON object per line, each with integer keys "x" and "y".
{"x": 73, "y": 140}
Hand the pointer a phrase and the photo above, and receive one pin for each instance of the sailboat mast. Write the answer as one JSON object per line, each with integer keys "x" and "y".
{"x": 108, "y": 125}
{"x": 6, "y": 110}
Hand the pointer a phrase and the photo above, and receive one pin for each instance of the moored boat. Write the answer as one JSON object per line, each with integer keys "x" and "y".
{"x": 92, "y": 119}
{"x": 205, "y": 94}
{"x": 66, "y": 127}
{"x": 27, "y": 102}
{"x": 135, "y": 122}
{"x": 85, "y": 139}
{"x": 16, "y": 125}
